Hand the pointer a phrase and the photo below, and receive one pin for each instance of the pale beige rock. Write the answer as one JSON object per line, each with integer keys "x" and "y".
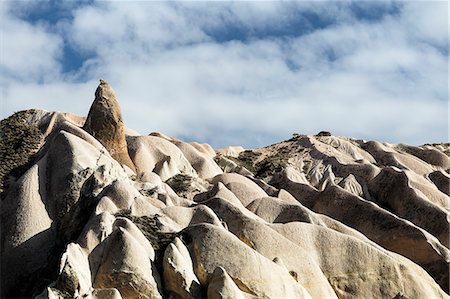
{"x": 210, "y": 247}
{"x": 271, "y": 245}
{"x": 275, "y": 210}
{"x": 49, "y": 122}
{"x": 428, "y": 189}
{"x": 219, "y": 190}
{"x": 150, "y": 177}
{"x": 242, "y": 187}
{"x": 232, "y": 151}
{"x": 131, "y": 132}
{"x": 352, "y": 277}
{"x": 228, "y": 166}
{"x": 169, "y": 198}
{"x": 312, "y": 154}
{"x": 106, "y": 205}
{"x": 150, "y": 153}
{"x": 269, "y": 189}
{"x": 161, "y": 135}
{"x": 302, "y": 192}
{"x": 106, "y": 294}
{"x": 428, "y": 154}
{"x": 279, "y": 262}
{"x": 351, "y": 185}
{"x": 346, "y": 149}
{"x": 293, "y": 175}
{"x": 25, "y": 200}
{"x": 392, "y": 188}
{"x": 263, "y": 235}
{"x": 221, "y": 286}
{"x": 315, "y": 175}
{"x": 441, "y": 180}
{"x": 258, "y": 236}
{"x": 145, "y": 206}
{"x": 328, "y": 178}
{"x": 92, "y": 239}
{"x": 287, "y": 197}
{"x": 204, "y": 148}
{"x": 74, "y": 273}
{"x": 166, "y": 169}
{"x": 125, "y": 267}
{"x": 386, "y": 154}
{"x": 386, "y": 229}
{"x": 185, "y": 216}
{"x": 27, "y": 233}
{"x": 96, "y": 230}
{"x": 71, "y": 157}
{"x": 131, "y": 228}
{"x": 121, "y": 193}
{"x": 178, "y": 271}
{"x": 71, "y": 128}
{"x": 203, "y": 164}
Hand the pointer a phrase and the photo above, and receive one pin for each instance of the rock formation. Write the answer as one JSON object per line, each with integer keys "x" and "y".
{"x": 105, "y": 123}
{"x": 315, "y": 216}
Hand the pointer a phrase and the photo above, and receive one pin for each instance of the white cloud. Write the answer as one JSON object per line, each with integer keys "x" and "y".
{"x": 427, "y": 21}
{"x": 28, "y": 53}
{"x": 383, "y": 79}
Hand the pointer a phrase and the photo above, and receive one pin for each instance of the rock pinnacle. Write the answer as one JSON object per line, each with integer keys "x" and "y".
{"x": 105, "y": 123}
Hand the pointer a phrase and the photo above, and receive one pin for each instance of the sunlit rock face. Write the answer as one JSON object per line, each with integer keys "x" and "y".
{"x": 89, "y": 211}
{"x": 105, "y": 123}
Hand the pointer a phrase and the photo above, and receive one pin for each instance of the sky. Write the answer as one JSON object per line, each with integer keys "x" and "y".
{"x": 247, "y": 73}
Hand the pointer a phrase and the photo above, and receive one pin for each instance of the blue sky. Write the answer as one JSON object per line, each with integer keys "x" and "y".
{"x": 229, "y": 73}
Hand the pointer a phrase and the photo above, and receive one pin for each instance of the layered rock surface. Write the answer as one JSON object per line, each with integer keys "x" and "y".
{"x": 105, "y": 123}
{"x": 98, "y": 213}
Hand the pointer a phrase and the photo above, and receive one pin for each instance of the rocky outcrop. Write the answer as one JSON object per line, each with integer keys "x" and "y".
{"x": 179, "y": 272}
{"x": 315, "y": 216}
{"x": 105, "y": 123}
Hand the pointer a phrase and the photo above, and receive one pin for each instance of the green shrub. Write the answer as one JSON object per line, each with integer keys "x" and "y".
{"x": 272, "y": 164}
{"x": 19, "y": 142}
{"x": 266, "y": 167}
{"x": 246, "y": 159}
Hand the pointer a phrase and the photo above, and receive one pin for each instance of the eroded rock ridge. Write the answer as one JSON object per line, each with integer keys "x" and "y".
{"x": 94, "y": 212}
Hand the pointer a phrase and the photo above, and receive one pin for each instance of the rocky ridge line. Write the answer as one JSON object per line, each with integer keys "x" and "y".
{"x": 99, "y": 213}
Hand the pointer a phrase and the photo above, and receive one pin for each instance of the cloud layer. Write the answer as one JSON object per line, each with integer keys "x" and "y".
{"x": 249, "y": 73}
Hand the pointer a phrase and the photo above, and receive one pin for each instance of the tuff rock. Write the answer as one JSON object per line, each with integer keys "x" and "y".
{"x": 97, "y": 211}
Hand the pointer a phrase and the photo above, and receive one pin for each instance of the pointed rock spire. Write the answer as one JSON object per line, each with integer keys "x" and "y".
{"x": 105, "y": 123}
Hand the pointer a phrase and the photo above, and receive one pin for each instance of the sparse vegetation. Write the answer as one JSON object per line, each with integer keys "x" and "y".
{"x": 246, "y": 159}
{"x": 150, "y": 227}
{"x": 443, "y": 147}
{"x": 272, "y": 164}
{"x": 323, "y": 133}
{"x": 296, "y": 137}
{"x": 265, "y": 167}
{"x": 149, "y": 192}
{"x": 307, "y": 165}
{"x": 19, "y": 142}
{"x": 399, "y": 296}
{"x": 180, "y": 183}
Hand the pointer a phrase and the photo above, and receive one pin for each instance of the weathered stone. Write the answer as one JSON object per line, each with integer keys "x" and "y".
{"x": 178, "y": 271}
{"x": 221, "y": 286}
{"x": 105, "y": 123}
